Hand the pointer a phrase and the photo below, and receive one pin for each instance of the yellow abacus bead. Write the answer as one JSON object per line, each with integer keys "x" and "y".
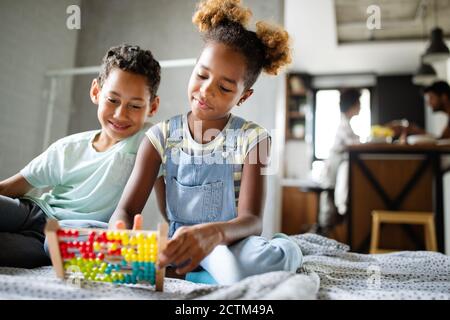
{"x": 134, "y": 257}
{"x": 97, "y": 246}
{"x": 98, "y": 260}
{"x": 123, "y": 251}
{"x": 113, "y": 246}
{"x": 127, "y": 257}
{"x": 133, "y": 241}
{"x": 152, "y": 258}
{"x": 117, "y": 235}
{"x": 110, "y": 235}
{"x": 121, "y": 276}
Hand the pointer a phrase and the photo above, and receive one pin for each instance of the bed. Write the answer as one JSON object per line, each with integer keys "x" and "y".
{"x": 329, "y": 271}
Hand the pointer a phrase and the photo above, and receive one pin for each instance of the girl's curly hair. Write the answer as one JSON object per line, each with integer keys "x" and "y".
{"x": 225, "y": 21}
{"x": 133, "y": 59}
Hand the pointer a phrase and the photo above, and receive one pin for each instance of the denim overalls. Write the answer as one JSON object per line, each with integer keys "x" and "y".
{"x": 201, "y": 189}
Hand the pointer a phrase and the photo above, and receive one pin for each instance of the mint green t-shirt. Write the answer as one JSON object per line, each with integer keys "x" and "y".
{"x": 86, "y": 184}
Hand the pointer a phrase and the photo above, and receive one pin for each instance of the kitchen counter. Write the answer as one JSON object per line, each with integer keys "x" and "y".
{"x": 394, "y": 177}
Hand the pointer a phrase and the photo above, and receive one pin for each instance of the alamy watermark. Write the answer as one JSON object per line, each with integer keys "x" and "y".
{"x": 374, "y": 19}
{"x": 374, "y": 277}
{"x": 75, "y": 276}
{"x": 73, "y": 21}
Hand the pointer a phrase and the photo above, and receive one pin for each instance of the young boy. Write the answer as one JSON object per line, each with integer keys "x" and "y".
{"x": 86, "y": 172}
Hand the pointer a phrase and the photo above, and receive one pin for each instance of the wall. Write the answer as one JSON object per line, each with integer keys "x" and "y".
{"x": 165, "y": 27}
{"x": 397, "y": 98}
{"x": 34, "y": 38}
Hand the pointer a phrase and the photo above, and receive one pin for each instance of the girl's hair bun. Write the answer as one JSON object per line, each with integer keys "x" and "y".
{"x": 211, "y": 13}
{"x": 277, "y": 46}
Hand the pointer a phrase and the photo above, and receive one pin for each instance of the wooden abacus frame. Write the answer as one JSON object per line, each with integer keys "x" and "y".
{"x": 51, "y": 231}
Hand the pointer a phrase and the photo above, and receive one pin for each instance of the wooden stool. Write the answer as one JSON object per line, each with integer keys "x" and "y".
{"x": 403, "y": 217}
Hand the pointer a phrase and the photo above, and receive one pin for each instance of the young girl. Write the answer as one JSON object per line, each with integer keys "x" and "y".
{"x": 212, "y": 160}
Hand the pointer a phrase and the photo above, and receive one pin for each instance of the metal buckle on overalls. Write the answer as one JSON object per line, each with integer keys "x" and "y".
{"x": 174, "y": 143}
{"x": 174, "y": 139}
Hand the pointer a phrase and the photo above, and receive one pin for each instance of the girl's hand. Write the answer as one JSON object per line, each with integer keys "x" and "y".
{"x": 189, "y": 246}
{"x": 137, "y": 225}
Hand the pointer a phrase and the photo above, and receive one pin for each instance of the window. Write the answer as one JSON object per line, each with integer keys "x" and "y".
{"x": 327, "y": 117}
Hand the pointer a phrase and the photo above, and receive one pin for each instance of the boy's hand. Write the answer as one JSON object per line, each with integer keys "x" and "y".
{"x": 189, "y": 246}
{"x": 137, "y": 225}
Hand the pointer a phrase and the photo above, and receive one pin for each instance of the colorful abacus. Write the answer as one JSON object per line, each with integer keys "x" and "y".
{"x": 117, "y": 256}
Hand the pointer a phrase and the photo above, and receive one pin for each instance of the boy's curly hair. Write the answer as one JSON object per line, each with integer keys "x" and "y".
{"x": 133, "y": 59}
{"x": 225, "y": 21}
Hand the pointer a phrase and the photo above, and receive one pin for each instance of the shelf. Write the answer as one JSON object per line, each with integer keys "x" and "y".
{"x": 298, "y": 95}
{"x": 289, "y": 136}
{"x": 296, "y": 115}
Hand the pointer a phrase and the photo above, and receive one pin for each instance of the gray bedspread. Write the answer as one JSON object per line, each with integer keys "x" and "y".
{"x": 329, "y": 272}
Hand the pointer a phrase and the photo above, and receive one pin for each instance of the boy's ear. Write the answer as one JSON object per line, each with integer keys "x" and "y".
{"x": 95, "y": 91}
{"x": 154, "y": 106}
{"x": 245, "y": 96}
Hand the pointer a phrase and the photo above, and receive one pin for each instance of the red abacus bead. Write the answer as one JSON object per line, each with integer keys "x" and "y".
{"x": 85, "y": 255}
{"x": 74, "y": 244}
{"x": 61, "y": 233}
{"x": 113, "y": 252}
{"x": 101, "y": 237}
{"x": 101, "y": 256}
{"x": 91, "y": 255}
